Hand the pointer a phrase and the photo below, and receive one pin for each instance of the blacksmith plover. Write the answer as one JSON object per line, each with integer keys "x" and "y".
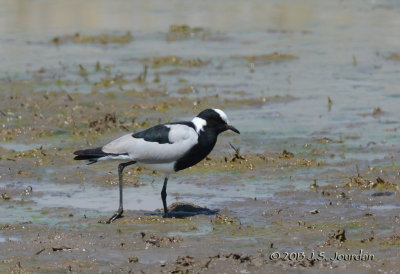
{"x": 167, "y": 148}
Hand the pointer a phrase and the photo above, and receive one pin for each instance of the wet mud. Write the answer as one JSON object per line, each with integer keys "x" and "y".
{"x": 312, "y": 183}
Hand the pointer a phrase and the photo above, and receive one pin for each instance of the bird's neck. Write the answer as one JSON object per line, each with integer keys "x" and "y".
{"x": 207, "y": 139}
{"x": 198, "y": 152}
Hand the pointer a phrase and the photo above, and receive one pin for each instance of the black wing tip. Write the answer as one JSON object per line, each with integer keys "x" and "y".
{"x": 91, "y": 154}
{"x": 85, "y": 157}
{"x": 93, "y": 151}
{"x": 78, "y": 152}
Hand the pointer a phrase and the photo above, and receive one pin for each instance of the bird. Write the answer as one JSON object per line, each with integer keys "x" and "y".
{"x": 167, "y": 148}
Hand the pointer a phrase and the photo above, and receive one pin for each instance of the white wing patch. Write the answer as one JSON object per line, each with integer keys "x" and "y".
{"x": 182, "y": 137}
{"x": 199, "y": 123}
{"x": 222, "y": 115}
{"x": 179, "y": 133}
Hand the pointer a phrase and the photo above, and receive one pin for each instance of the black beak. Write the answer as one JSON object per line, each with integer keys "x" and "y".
{"x": 232, "y": 128}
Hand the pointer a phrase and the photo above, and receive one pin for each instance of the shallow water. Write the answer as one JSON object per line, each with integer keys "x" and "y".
{"x": 18, "y": 146}
{"x": 4, "y": 239}
{"x": 312, "y": 86}
{"x": 342, "y": 51}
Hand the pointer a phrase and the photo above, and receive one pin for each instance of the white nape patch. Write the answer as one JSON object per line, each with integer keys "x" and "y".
{"x": 199, "y": 123}
{"x": 222, "y": 115}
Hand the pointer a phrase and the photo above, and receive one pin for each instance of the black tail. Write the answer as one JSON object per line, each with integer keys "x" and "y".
{"x": 94, "y": 154}
{"x": 91, "y": 154}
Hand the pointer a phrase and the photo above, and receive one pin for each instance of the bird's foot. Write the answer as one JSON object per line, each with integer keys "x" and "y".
{"x": 166, "y": 215}
{"x": 117, "y": 215}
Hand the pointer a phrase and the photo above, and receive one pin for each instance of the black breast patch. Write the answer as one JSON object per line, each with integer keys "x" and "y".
{"x": 157, "y": 134}
{"x": 198, "y": 152}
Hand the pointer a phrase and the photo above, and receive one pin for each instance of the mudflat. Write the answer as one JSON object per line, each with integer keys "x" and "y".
{"x": 312, "y": 183}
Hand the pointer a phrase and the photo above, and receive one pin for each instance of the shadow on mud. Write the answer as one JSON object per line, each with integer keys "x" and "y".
{"x": 183, "y": 210}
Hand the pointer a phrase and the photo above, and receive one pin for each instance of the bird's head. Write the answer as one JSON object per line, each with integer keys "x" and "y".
{"x": 213, "y": 118}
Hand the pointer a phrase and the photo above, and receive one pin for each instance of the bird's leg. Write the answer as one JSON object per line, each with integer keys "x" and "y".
{"x": 164, "y": 197}
{"x": 118, "y": 213}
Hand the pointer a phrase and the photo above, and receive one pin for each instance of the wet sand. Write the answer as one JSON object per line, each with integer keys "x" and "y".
{"x": 311, "y": 184}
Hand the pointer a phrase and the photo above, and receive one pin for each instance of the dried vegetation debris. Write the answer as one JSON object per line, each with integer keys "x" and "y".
{"x": 240, "y": 162}
{"x": 376, "y": 113}
{"x": 336, "y": 238}
{"x": 393, "y": 56}
{"x": 287, "y": 154}
{"x": 392, "y": 240}
{"x": 237, "y": 262}
{"x": 181, "y": 32}
{"x": 368, "y": 239}
{"x": 5, "y": 196}
{"x": 152, "y": 239}
{"x": 109, "y": 121}
{"x": 110, "y": 179}
{"x": 275, "y": 57}
{"x": 108, "y": 82}
{"x": 185, "y": 32}
{"x": 24, "y": 164}
{"x": 173, "y": 60}
{"x": 364, "y": 183}
{"x": 224, "y": 220}
{"x": 185, "y": 261}
{"x": 62, "y": 248}
{"x": 56, "y": 114}
{"x": 151, "y": 219}
{"x": 102, "y": 39}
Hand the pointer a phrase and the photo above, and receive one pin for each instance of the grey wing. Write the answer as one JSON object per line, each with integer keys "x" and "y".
{"x": 156, "y": 145}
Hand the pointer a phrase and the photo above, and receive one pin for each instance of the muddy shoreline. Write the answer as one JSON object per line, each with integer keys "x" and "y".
{"x": 311, "y": 184}
{"x": 300, "y": 223}
{"x": 290, "y": 228}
